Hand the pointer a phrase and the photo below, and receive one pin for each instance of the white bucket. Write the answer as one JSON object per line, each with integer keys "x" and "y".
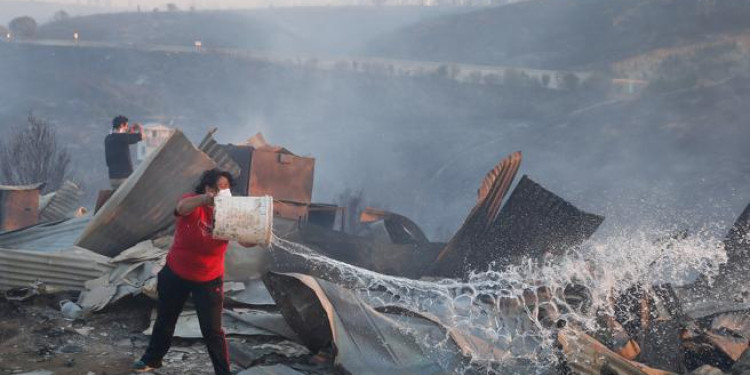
{"x": 244, "y": 219}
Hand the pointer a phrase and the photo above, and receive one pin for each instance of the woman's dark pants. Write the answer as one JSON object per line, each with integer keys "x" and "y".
{"x": 208, "y": 298}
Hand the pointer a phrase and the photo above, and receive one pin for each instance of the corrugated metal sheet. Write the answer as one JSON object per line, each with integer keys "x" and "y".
{"x": 496, "y": 184}
{"x": 145, "y": 203}
{"x": 19, "y": 268}
{"x": 62, "y": 204}
{"x": 45, "y": 237}
{"x": 217, "y": 154}
{"x": 451, "y": 261}
{"x": 533, "y": 221}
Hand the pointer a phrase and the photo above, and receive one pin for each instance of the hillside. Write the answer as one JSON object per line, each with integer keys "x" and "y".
{"x": 314, "y": 30}
{"x": 416, "y": 145}
{"x": 565, "y": 34}
{"x": 419, "y": 145}
{"x": 44, "y": 11}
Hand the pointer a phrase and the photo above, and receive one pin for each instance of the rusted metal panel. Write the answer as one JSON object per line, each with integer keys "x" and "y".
{"x": 145, "y": 203}
{"x": 282, "y": 175}
{"x": 102, "y": 198}
{"x": 451, "y": 261}
{"x": 290, "y": 210}
{"x": 19, "y": 206}
{"x": 63, "y": 203}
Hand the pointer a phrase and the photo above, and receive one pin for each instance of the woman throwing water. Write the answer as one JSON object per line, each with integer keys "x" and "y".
{"x": 195, "y": 265}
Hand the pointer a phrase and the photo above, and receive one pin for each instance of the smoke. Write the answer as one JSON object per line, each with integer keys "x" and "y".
{"x": 417, "y": 145}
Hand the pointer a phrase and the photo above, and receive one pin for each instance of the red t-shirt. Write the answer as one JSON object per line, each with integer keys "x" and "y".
{"x": 195, "y": 255}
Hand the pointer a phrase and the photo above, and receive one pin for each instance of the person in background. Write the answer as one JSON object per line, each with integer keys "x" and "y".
{"x": 195, "y": 265}
{"x": 117, "y": 149}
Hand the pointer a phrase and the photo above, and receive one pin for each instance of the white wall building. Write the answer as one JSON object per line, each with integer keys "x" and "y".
{"x": 155, "y": 135}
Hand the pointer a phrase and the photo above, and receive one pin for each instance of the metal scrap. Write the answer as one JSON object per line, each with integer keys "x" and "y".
{"x": 451, "y": 261}
{"x": 19, "y": 268}
{"x": 235, "y": 323}
{"x": 62, "y": 203}
{"x": 365, "y": 341}
{"x": 384, "y": 257}
{"x": 398, "y": 229}
{"x": 19, "y": 206}
{"x": 219, "y": 155}
{"x": 145, "y": 203}
{"x": 45, "y": 237}
{"x": 533, "y": 221}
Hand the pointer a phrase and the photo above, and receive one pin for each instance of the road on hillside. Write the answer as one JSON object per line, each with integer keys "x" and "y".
{"x": 467, "y": 73}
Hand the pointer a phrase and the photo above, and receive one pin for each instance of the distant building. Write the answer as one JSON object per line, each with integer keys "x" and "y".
{"x": 155, "y": 135}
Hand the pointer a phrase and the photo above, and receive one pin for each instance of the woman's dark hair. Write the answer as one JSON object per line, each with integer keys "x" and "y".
{"x": 118, "y": 121}
{"x": 211, "y": 178}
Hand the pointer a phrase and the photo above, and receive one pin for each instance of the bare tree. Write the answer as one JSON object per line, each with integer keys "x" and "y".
{"x": 31, "y": 154}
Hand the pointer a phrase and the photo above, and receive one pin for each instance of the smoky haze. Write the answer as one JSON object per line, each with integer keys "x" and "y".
{"x": 652, "y": 133}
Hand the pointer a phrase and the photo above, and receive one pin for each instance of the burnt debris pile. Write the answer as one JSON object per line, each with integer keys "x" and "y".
{"x": 521, "y": 287}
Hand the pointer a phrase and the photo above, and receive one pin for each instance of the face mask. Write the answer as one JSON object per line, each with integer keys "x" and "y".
{"x": 224, "y": 193}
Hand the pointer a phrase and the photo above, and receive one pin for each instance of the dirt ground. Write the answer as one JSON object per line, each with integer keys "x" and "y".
{"x": 34, "y": 336}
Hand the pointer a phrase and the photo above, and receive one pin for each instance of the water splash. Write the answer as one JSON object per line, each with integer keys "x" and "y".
{"x": 507, "y": 315}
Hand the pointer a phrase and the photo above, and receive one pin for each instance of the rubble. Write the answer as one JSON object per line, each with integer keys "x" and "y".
{"x": 270, "y": 370}
{"x": 19, "y": 268}
{"x": 451, "y": 262}
{"x": 235, "y": 323}
{"x": 60, "y": 204}
{"x": 364, "y": 340}
{"x": 285, "y": 314}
